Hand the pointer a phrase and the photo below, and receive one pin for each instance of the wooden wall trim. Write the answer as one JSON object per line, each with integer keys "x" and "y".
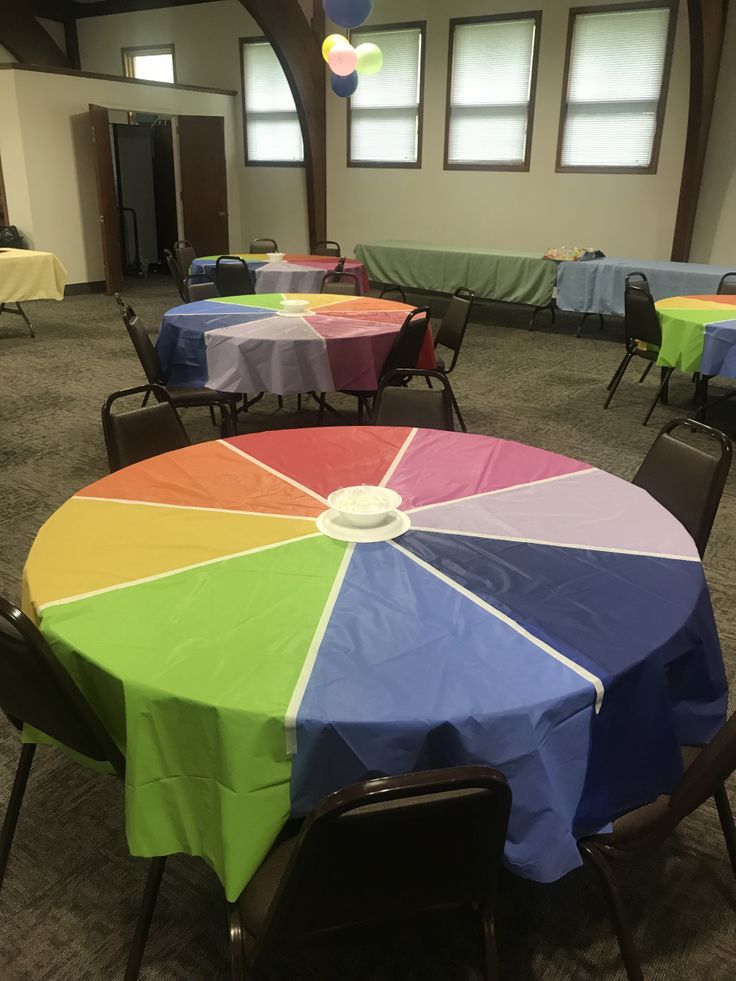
{"x": 26, "y": 39}
{"x": 15, "y": 66}
{"x": 707, "y": 31}
{"x": 298, "y": 49}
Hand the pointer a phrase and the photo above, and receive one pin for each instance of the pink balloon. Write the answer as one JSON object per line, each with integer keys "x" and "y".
{"x": 343, "y": 59}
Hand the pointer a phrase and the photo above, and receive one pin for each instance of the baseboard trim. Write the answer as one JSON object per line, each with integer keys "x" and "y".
{"x": 76, "y": 289}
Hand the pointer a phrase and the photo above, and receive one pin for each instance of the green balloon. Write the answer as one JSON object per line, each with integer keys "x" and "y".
{"x": 370, "y": 58}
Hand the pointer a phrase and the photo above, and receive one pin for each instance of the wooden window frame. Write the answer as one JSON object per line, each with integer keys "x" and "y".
{"x": 128, "y": 55}
{"x": 536, "y": 16}
{"x": 263, "y": 163}
{"x": 421, "y": 25}
{"x": 673, "y": 6}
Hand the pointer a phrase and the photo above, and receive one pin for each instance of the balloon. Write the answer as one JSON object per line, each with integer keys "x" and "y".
{"x": 348, "y": 13}
{"x": 345, "y": 85}
{"x": 330, "y": 42}
{"x": 370, "y": 58}
{"x": 343, "y": 59}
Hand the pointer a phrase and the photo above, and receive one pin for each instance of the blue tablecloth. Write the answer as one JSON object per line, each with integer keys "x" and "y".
{"x": 597, "y": 286}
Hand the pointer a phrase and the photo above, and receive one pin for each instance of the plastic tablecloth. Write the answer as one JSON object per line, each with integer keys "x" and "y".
{"x": 243, "y": 344}
{"x": 514, "y": 277}
{"x": 540, "y": 616}
{"x": 27, "y": 275}
{"x": 699, "y": 334}
{"x": 295, "y": 274}
{"x": 598, "y": 285}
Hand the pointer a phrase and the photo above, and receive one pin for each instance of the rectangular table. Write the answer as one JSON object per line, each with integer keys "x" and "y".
{"x": 597, "y": 285}
{"x": 514, "y": 277}
{"x": 27, "y": 275}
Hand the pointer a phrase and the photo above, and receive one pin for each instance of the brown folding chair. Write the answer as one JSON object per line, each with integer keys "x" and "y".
{"x": 183, "y": 398}
{"x": 390, "y": 288}
{"x": 262, "y": 246}
{"x": 686, "y": 479}
{"x": 328, "y": 248}
{"x": 36, "y": 690}
{"x": 185, "y": 255}
{"x": 454, "y": 324}
{"x": 143, "y": 432}
{"x": 727, "y": 285}
{"x": 380, "y": 851}
{"x": 641, "y": 831}
{"x": 233, "y": 277}
{"x": 180, "y": 281}
{"x": 398, "y": 405}
{"x": 642, "y": 337}
{"x": 341, "y": 283}
{"x": 201, "y": 291}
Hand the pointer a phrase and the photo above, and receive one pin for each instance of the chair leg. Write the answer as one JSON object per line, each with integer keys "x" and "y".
{"x": 621, "y": 925}
{"x": 14, "y": 805}
{"x": 666, "y": 373}
{"x": 234, "y": 418}
{"x": 281, "y": 401}
{"x": 145, "y": 916}
{"x": 299, "y": 402}
{"x": 727, "y": 824}
{"x": 321, "y": 417}
{"x": 361, "y": 405}
{"x": 617, "y": 376}
{"x": 213, "y": 417}
{"x": 459, "y": 414}
{"x": 646, "y": 372}
{"x": 237, "y": 961}
{"x": 490, "y": 950}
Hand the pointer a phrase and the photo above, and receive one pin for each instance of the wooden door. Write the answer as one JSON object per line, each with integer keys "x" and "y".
{"x": 204, "y": 183}
{"x": 107, "y": 199}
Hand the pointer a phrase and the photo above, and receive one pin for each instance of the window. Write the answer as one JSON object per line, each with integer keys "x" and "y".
{"x": 273, "y": 133}
{"x": 152, "y": 64}
{"x": 618, "y": 62}
{"x": 385, "y": 114}
{"x": 492, "y": 78}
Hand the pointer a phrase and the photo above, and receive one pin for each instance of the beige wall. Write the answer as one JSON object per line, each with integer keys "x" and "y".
{"x": 715, "y": 228}
{"x": 47, "y": 157}
{"x": 206, "y": 39}
{"x": 620, "y": 214}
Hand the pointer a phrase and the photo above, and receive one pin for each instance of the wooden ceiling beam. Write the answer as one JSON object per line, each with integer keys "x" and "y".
{"x": 105, "y": 7}
{"x": 26, "y": 39}
{"x": 61, "y": 10}
{"x": 298, "y": 48}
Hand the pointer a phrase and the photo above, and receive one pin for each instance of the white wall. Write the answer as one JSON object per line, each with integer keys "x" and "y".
{"x": 48, "y": 163}
{"x": 715, "y": 228}
{"x": 207, "y": 51}
{"x": 620, "y": 214}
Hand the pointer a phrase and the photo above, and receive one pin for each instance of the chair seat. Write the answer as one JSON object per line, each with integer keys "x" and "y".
{"x": 190, "y": 397}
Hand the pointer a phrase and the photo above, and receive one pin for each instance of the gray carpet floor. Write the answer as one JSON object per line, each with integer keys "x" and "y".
{"x": 70, "y": 897}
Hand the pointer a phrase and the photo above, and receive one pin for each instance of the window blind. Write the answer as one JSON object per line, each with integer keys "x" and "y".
{"x": 384, "y": 112}
{"x": 615, "y": 83}
{"x": 492, "y": 70}
{"x": 273, "y": 131}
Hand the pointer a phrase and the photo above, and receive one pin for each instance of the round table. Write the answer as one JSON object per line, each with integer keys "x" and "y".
{"x": 244, "y": 344}
{"x": 699, "y": 334}
{"x": 294, "y": 273}
{"x": 540, "y": 616}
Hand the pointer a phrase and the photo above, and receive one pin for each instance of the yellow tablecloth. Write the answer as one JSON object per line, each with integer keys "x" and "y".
{"x": 26, "y": 275}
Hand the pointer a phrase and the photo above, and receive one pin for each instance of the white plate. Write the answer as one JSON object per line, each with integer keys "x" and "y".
{"x": 288, "y": 313}
{"x": 330, "y": 524}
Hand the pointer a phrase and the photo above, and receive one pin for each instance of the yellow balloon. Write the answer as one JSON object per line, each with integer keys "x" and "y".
{"x": 330, "y": 42}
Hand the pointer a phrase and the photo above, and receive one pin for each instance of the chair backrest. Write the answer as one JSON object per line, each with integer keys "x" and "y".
{"x": 642, "y": 322}
{"x": 201, "y": 291}
{"x": 727, "y": 285}
{"x": 638, "y": 279}
{"x": 341, "y": 283}
{"x": 179, "y": 280}
{"x": 140, "y": 433}
{"x": 233, "y": 277}
{"x": 455, "y": 322}
{"x": 409, "y": 341}
{"x": 147, "y": 354}
{"x": 185, "y": 255}
{"x": 392, "y": 288}
{"x": 393, "y": 847}
{"x": 328, "y": 248}
{"x": 423, "y": 408}
{"x": 686, "y": 479}
{"x": 261, "y": 246}
{"x": 35, "y": 689}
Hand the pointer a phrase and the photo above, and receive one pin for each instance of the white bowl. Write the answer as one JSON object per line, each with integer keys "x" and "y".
{"x": 275, "y": 256}
{"x": 355, "y": 507}
{"x": 295, "y": 306}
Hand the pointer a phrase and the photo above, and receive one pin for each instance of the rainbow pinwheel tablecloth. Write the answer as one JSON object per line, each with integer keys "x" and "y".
{"x": 243, "y": 344}
{"x": 699, "y": 334}
{"x": 541, "y": 616}
{"x": 294, "y": 274}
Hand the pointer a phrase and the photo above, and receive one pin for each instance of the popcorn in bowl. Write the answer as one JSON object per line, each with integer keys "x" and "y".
{"x": 364, "y": 506}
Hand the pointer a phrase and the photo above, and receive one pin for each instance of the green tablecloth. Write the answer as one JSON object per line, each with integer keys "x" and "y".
{"x": 515, "y": 277}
